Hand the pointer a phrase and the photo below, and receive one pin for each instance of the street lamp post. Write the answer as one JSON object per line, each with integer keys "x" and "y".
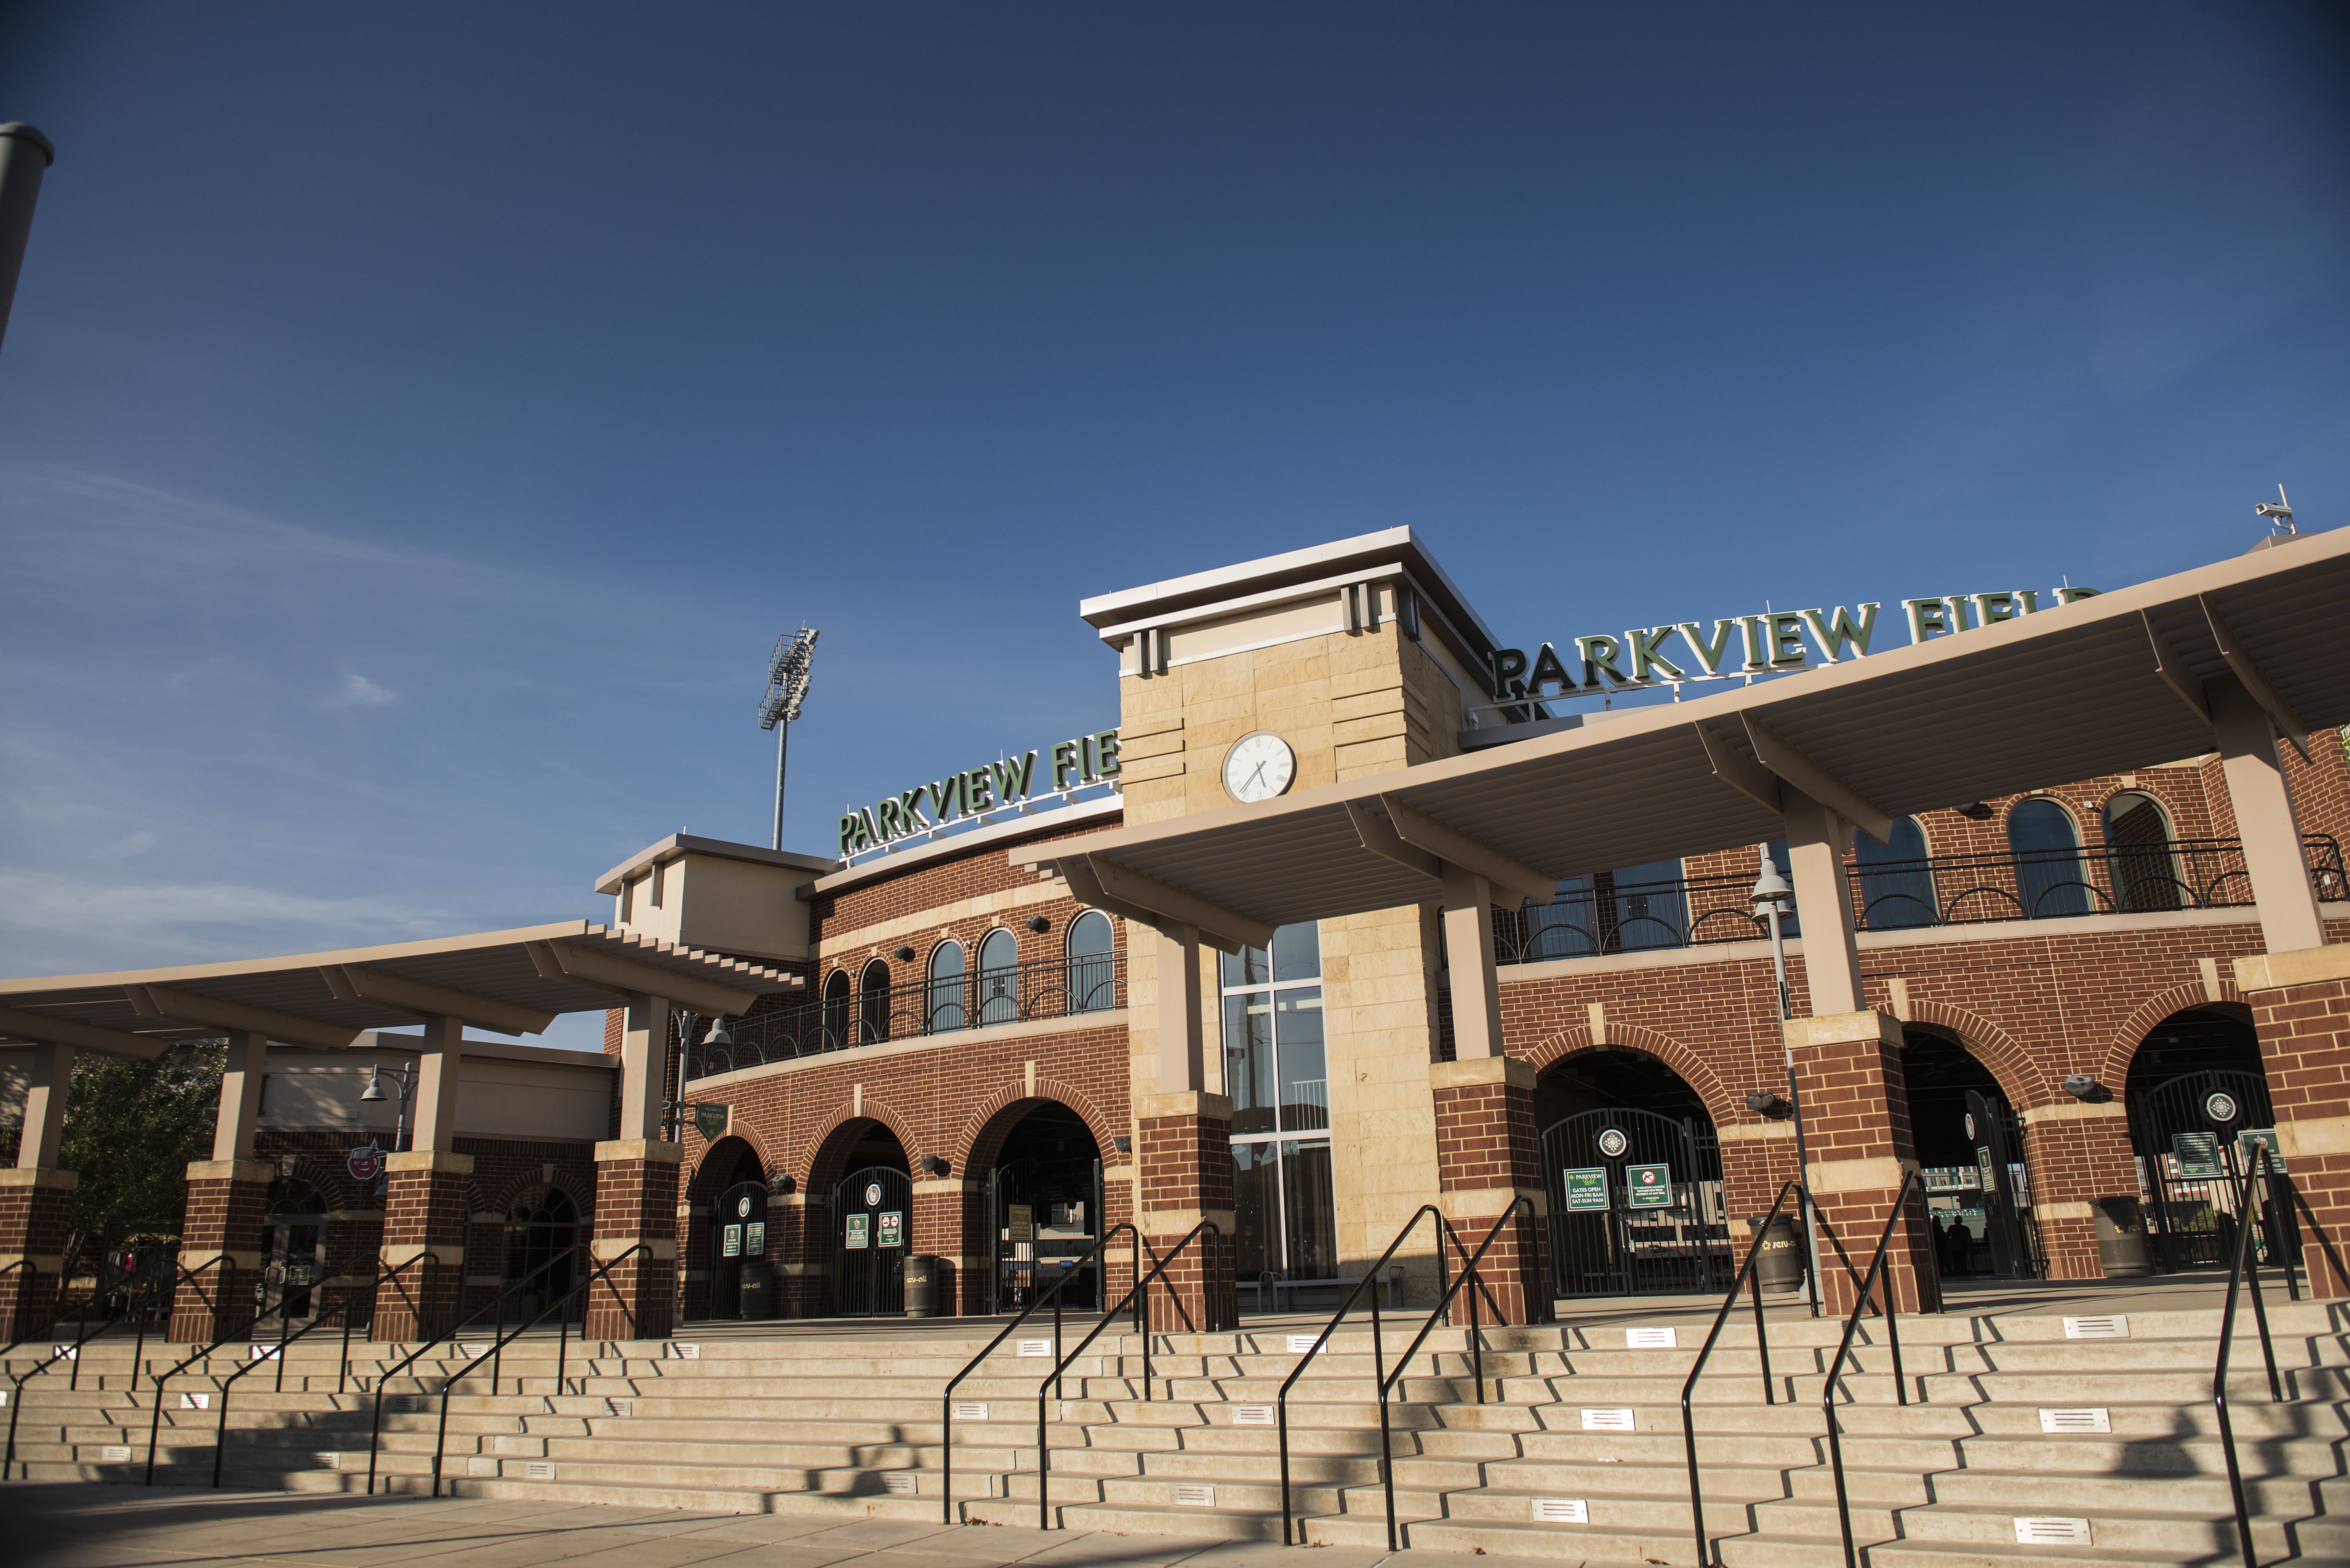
{"x": 1773, "y": 899}
{"x": 373, "y": 1094}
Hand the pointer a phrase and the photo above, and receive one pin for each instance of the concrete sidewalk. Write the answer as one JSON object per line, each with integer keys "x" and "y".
{"x": 67, "y": 1525}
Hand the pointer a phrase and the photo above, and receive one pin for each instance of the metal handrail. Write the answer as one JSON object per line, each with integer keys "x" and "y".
{"x": 24, "y": 1300}
{"x": 62, "y": 1353}
{"x": 1138, "y": 1292}
{"x": 1378, "y": 1367}
{"x": 1851, "y": 1326}
{"x": 1051, "y": 1293}
{"x": 441, "y": 1442}
{"x": 1762, "y": 1338}
{"x": 1476, "y": 1344}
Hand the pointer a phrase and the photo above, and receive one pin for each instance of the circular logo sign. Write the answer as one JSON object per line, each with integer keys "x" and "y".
{"x": 873, "y": 1195}
{"x": 1612, "y": 1142}
{"x": 2220, "y": 1107}
{"x": 365, "y": 1162}
{"x": 742, "y": 1206}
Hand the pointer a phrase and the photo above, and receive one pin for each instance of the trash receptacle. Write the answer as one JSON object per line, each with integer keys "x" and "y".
{"x": 756, "y": 1289}
{"x": 921, "y": 1285}
{"x": 1779, "y": 1266}
{"x": 2121, "y": 1238}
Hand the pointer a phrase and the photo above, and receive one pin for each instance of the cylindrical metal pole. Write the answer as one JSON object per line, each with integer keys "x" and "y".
{"x": 782, "y": 730}
{"x": 25, "y": 156}
{"x": 1795, "y": 1109}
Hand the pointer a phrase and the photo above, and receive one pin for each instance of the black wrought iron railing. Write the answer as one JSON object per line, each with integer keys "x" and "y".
{"x": 983, "y": 998}
{"x": 1747, "y": 1276}
{"x": 1605, "y": 916}
{"x": 1879, "y": 1269}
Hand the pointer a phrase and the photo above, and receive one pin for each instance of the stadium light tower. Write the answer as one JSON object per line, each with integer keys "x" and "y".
{"x": 787, "y": 688}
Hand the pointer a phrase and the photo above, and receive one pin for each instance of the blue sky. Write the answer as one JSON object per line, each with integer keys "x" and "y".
{"x": 417, "y": 422}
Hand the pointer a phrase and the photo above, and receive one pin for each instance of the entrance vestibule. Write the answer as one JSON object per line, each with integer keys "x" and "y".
{"x": 1632, "y": 1167}
{"x": 2196, "y": 1092}
{"x": 1971, "y": 1150}
{"x": 872, "y": 1212}
{"x": 1045, "y": 1204}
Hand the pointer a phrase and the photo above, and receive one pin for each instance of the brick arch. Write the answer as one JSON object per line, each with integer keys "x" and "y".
{"x": 333, "y": 1182}
{"x": 831, "y": 1145}
{"x": 2009, "y": 1063}
{"x": 581, "y": 1193}
{"x": 983, "y": 1135}
{"x": 1694, "y": 1070}
{"x": 701, "y": 1186}
{"x": 2121, "y": 1050}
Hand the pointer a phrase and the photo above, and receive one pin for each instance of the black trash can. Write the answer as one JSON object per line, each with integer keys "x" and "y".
{"x": 921, "y": 1285}
{"x": 1779, "y": 1266}
{"x": 2121, "y": 1238}
{"x": 757, "y": 1292}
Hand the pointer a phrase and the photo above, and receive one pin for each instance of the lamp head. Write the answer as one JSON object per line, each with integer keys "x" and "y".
{"x": 373, "y": 1093}
{"x": 1771, "y": 887}
{"x": 720, "y": 1034}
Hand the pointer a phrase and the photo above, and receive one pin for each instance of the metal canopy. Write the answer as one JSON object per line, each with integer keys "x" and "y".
{"x": 2067, "y": 694}
{"x": 508, "y": 982}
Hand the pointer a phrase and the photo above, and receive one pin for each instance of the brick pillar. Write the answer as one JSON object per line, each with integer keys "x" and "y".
{"x": 2078, "y": 1152}
{"x": 220, "y": 1249}
{"x": 1855, "y": 1106}
{"x": 34, "y": 1204}
{"x": 427, "y": 1208}
{"x": 1485, "y": 1159}
{"x": 799, "y": 1240}
{"x": 2300, "y": 1008}
{"x": 948, "y": 1222}
{"x": 636, "y": 1201}
{"x": 1185, "y": 1176}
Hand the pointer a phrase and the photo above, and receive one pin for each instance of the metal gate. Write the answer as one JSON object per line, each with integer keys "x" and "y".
{"x": 2004, "y": 1188}
{"x": 1636, "y": 1204}
{"x": 740, "y": 1275}
{"x": 872, "y": 1212}
{"x": 2190, "y": 1160}
{"x": 1046, "y": 1212}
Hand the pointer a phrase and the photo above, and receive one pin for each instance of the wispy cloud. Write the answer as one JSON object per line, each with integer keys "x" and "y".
{"x": 130, "y": 924}
{"x": 359, "y": 691}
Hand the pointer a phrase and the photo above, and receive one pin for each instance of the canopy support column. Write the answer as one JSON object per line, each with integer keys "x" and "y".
{"x": 35, "y": 1199}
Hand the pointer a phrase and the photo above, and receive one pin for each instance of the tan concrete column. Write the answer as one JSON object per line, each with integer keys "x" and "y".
{"x": 240, "y": 1098}
{"x": 43, "y": 1140}
{"x": 644, "y": 1042}
{"x": 1469, "y": 955}
{"x": 437, "y": 1064}
{"x": 1183, "y": 1060}
{"x": 2264, "y": 819}
{"x": 1816, "y": 842}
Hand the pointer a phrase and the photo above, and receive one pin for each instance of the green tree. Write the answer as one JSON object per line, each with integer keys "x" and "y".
{"x": 131, "y": 1128}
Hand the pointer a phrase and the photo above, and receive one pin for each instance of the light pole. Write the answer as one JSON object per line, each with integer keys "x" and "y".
{"x": 1773, "y": 899}
{"x": 787, "y": 687}
{"x": 373, "y": 1094}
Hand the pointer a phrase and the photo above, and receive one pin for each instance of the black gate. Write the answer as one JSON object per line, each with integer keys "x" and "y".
{"x": 1047, "y": 1213}
{"x": 740, "y": 1275}
{"x": 2184, "y": 1131}
{"x": 1635, "y": 1204}
{"x": 872, "y": 1212}
{"x": 2004, "y": 1186}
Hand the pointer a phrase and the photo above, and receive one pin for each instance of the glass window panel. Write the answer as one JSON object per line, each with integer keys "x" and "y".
{"x": 1249, "y": 1063}
{"x": 1896, "y": 883}
{"x": 999, "y": 979}
{"x": 1566, "y": 929}
{"x": 1247, "y": 967}
{"x": 1651, "y": 910}
{"x": 2049, "y": 879}
{"x": 1791, "y": 923}
{"x": 1256, "y": 1201}
{"x": 1093, "y": 972}
{"x": 1309, "y": 1211}
{"x": 945, "y": 1009}
{"x": 1297, "y": 952}
{"x": 2138, "y": 850}
{"x": 1305, "y": 1082}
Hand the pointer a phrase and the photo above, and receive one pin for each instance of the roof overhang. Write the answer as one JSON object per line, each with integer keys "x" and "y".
{"x": 2101, "y": 686}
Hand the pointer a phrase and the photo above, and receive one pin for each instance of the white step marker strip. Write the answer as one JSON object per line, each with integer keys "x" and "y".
{"x": 537, "y": 1469}
{"x": 1195, "y": 1496}
{"x": 1649, "y": 1339}
{"x": 1561, "y": 1510}
{"x": 2114, "y": 1325}
{"x": 265, "y": 1353}
{"x": 330, "y": 1462}
{"x": 1615, "y": 1420}
{"x": 970, "y": 1410}
{"x": 195, "y": 1401}
{"x": 621, "y": 1407}
{"x": 2052, "y": 1532}
{"x": 114, "y": 1454}
{"x": 72, "y": 1353}
{"x": 1252, "y": 1415}
{"x": 685, "y": 1352}
{"x": 1034, "y": 1346}
{"x": 2083, "y": 1420}
{"x": 473, "y": 1352}
{"x": 1299, "y": 1343}
{"x": 903, "y": 1483}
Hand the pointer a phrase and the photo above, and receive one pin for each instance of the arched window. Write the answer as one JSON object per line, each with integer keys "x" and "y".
{"x": 2139, "y": 854}
{"x": 1896, "y": 880}
{"x": 1093, "y": 972}
{"x": 840, "y": 1007}
{"x": 541, "y": 1229}
{"x": 945, "y": 1009}
{"x": 873, "y": 1010}
{"x": 999, "y": 979}
{"x": 2046, "y": 848}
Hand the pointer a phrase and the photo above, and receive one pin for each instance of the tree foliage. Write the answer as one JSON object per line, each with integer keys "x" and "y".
{"x": 131, "y": 1128}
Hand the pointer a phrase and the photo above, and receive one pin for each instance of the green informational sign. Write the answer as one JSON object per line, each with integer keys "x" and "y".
{"x": 2250, "y": 1139}
{"x": 859, "y": 1236}
{"x": 1585, "y": 1189}
{"x": 893, "y": 1229}
{"x": 1651, "y": 1186}
{"x": 2197, "y": 1155}
{"x": 755, "y": 1239}
{"x": 730, "y": 1241}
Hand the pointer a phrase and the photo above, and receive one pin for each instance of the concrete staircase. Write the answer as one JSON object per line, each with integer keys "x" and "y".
{"x": 1577, "y": 1454}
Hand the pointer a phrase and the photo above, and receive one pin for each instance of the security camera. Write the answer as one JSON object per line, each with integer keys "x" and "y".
{"x": 2080, "y": 1085}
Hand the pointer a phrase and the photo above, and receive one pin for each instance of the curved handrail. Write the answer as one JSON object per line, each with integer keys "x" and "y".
{"x": 1051, "y": 1293}
{"x": 1851, "y": 1326}
{"x": 1139, "y": 1293}
{"x": 1762, "y": 1337}
{"x": 1403, "y": 1362}
{"x": 1379, "y": 1368}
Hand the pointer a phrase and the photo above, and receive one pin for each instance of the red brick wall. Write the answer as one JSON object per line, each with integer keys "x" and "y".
{"x": 2306, "y": 1048}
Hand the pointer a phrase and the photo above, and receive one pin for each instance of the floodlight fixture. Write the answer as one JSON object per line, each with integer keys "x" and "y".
{"x": 787, "y": 687}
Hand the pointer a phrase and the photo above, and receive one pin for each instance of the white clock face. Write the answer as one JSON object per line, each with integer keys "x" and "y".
{"x": 1259, "y": 767}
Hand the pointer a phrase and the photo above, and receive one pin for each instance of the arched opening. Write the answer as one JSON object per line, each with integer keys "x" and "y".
{"x": 2139, "y": 856}
{"x": 999, "y": 979}
{"x": 943, "y": 1010}
{"x": 1897, "y": 879}
{"x": 872, "y": 1210}
{"x": 2198, "y": 1100}
{"x": 1044, "y": 1195}
{"x": 541, "y": 1233}
{"x": 1970, "y": 1144}
{"x": 295, "y": 1237}
{"x": 838, "y": 1010}
{"x": 1093, "y": 966}
{"x": 2050, "y": 878}
{"x": 873, "y": 1004}
{"x": 732, "y": 1181}
{"x": 1633, "y": 1170}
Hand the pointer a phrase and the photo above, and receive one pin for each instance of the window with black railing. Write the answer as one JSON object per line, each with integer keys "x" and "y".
{"x": 950, "y": 995}
{"x": 2047, "y": 873}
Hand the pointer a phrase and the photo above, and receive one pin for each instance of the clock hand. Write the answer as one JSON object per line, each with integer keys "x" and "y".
{"x": 1254, "y": 777}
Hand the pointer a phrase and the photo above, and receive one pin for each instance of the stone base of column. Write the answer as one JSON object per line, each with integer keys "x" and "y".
{"x": 219, "y": 1250}
{"x": 34, "y": 1204}
{"x": 1486, "y": 1159}
{"x": 2301, "y": 1009}
{"x": 1855, "y": 1109}
{"x": 636, "y": 1204}
{"x": 427, "y": 1211}
{"x": 1184, "y": 1176}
